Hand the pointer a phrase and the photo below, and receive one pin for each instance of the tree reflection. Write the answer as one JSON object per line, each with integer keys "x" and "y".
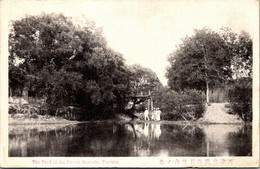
{"x": 242, "y": 147}
{"x": 131, "y": 139}
{"x": 227, "y": 140}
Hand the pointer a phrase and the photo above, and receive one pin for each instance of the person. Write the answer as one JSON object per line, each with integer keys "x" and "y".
{"x": 146, "y": 113}
{"x": 158, "y": 114}
{"x": 152, "y": 115}
{"x": 155, "y": 114}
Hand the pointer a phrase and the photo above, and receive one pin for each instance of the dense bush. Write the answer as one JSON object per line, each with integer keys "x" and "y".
{"x": 188, "y": 104}
{"x": 240, "y": 97}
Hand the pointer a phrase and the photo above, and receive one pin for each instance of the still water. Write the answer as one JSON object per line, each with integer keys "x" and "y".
{"x": 130, "y": 139}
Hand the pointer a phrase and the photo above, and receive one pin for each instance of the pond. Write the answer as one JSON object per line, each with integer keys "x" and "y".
{"x": 103, "y": 139}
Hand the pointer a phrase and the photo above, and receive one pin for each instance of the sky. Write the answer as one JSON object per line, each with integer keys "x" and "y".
{"x": 147, "y": 31}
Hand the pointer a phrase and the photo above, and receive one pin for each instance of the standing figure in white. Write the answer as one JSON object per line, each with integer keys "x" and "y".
{"x": 146, "y": 113}
{"x": 158, "y": 114}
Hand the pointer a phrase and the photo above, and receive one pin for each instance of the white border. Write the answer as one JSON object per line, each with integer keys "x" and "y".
{"x": 123, "y": 161}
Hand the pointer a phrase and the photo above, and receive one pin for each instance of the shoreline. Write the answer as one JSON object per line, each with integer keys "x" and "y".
{"x": 193, "y": 122}
{"x": 55, "y": 120}
{"x": 25, "y": 118}
{"x": 28, "y": 119}
{"x": 40, "y": 120}
{"x": 40, "y": 123}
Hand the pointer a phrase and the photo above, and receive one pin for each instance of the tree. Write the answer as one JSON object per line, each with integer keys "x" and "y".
{"x": 17, "y": 78}
{"x": 240, "y": 46}
{"x": 39, "y": 40}
{"x": 143, "y": 81}
{"x": 240, "y": 87}
{"x": 201, "y": 61}
{"x": 69, "y": 64}
{"x": 240, "y": 96}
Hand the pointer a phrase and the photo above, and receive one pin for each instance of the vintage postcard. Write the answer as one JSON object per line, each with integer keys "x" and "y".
{"x": 129, "y": 83}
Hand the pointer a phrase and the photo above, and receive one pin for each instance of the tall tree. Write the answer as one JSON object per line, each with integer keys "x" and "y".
{"x": 200, "y": 61}
{"x": 241, "y": 48}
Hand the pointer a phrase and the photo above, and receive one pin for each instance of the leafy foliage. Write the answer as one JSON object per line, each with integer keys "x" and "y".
{"x": 201, "y": 58}
{"x": 143, "y": 79}
{"x": 72, "y": 65}
{"x": 240, "y": 95}
{"x": 18, "y": 77}
{"x": 68, "y": 63}
{"x": 209, "y": 59}
{"x": 240, "y": 90}
{"x": 240, "y": 46}
{"x": 188, "y": 104}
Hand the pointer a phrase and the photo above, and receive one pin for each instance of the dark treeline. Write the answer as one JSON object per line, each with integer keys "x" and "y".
{"x": 71, "y": 65}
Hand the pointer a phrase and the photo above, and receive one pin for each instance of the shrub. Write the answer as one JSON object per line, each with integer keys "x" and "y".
{"x": 188, "y": 104}
{"x": 240, "y": 97}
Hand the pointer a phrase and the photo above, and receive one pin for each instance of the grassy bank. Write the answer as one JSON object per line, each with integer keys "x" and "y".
{"x": 28, "y": 119}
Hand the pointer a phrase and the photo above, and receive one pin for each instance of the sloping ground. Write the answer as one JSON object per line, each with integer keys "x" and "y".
{"x": 217, "y": 113}
{"x": 29, "y": 119}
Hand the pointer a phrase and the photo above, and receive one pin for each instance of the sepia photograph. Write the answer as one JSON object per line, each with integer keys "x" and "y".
{"x": 122, "y": 83}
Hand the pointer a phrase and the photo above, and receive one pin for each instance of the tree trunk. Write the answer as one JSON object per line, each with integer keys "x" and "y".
{"x": 207, "y": 92}
{"x": 207, "y": 96}
{"x": 10, "y": 92}
{"x": 150, "y": 101}
{"x": 151, "y": 104}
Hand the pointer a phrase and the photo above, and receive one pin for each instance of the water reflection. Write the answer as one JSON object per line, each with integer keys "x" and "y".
{"x": 131, "y": 139}
{"x": 147, "y": 130}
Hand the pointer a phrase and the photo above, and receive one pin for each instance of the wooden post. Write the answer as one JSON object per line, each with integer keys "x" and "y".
{"x": 25, "y": 93}
{"x": 148, "y": 104}
{"x": 10, "y": 92}
{"x": 151, "y": 103}
{"x": 207, "y": 148}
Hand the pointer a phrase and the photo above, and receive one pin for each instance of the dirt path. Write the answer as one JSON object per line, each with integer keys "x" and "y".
{"x": 217, "y": 113}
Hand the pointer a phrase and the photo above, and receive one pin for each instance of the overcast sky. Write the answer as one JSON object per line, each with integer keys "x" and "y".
{"x": 144, "y": 31}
